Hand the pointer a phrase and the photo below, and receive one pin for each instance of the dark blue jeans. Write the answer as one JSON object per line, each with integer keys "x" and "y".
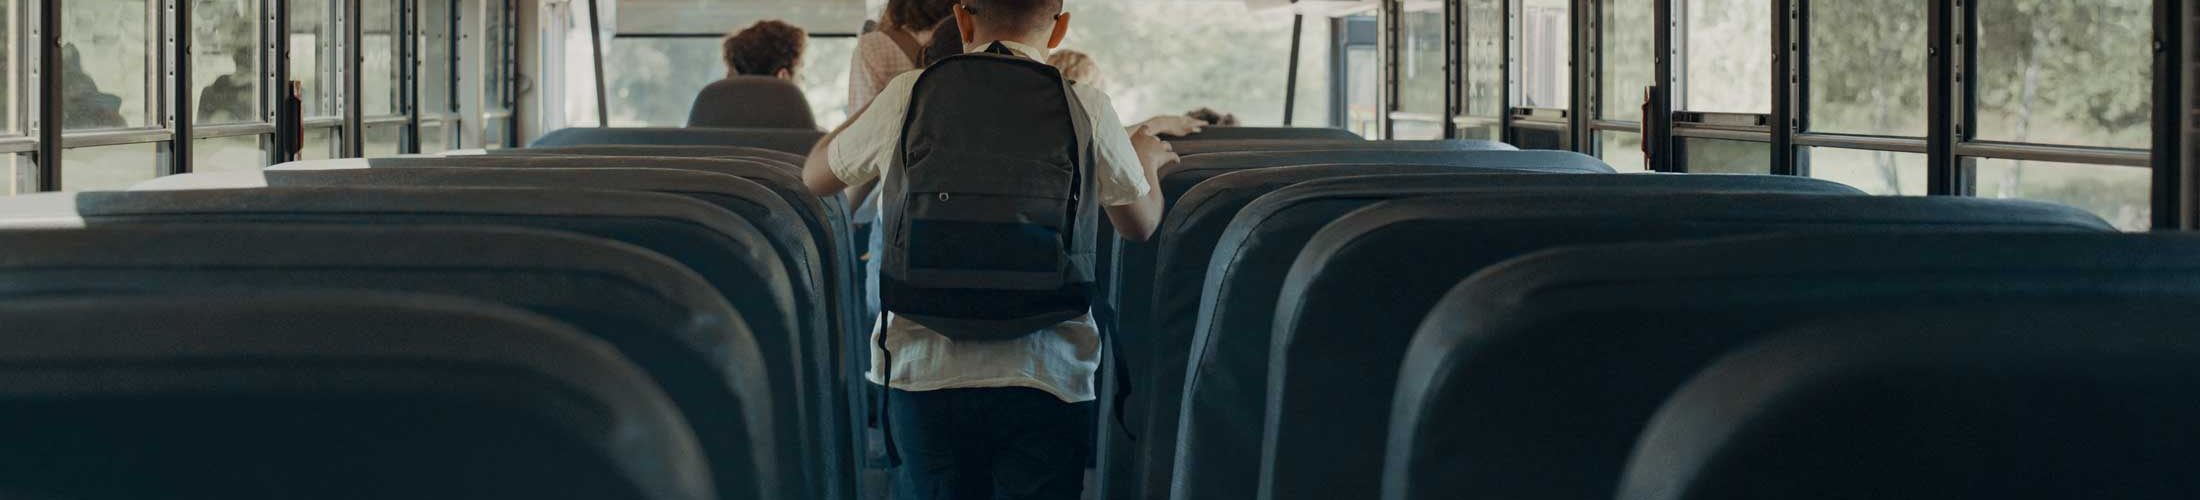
{"x": 994, "y": 443}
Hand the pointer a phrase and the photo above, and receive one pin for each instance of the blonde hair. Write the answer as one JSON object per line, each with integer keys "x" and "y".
{"x": 1076, "y": 66}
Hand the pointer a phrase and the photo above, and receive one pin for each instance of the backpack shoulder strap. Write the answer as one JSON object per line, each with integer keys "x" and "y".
{"x": 907, "y": 42}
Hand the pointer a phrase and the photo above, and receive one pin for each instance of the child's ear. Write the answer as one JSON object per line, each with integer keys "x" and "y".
{"x": 1061, "y": 30}
{"x": 967, "y": 25}
{"x": 785, "y": 73}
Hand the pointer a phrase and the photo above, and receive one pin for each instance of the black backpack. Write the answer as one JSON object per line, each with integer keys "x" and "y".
{"x": 990, "y": 207}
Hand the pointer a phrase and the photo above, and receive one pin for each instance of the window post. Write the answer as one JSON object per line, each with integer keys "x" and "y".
{"x": 1657, "y": 118}
{"x": 178, "y": 56}
{"x": 1786, "y": 78}
{"x": 49, "y": 119}
{"x": 352, "y": 107}
{"x": 2173, "y": 117}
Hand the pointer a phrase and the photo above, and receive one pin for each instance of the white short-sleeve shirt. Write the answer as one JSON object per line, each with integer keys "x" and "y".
{"x": 1061, "y": 360}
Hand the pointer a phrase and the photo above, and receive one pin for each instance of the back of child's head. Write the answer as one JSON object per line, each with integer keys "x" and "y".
{"x": 1014, "y": 16}
{"x": 1076, "y": 66}
{"x": 764, "y": 49}
{"x": 918, "y": 15}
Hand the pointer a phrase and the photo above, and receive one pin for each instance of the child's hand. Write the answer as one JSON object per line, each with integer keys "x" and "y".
{"x": 1174, "y": 125}
{"x": 1152, "y": 151}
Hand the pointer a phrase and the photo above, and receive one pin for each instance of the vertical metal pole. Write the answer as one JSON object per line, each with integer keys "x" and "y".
{"x": 1507, "y": 64}
{"x": 1940, "y": 98}
{"x": 1657, "y": 120}
{"x": 1454, "y": 66}
{"x": 408, "y": 66}
{"x": 354, "y": 107}
{"x": 1783, "y": 119}
{"x": 1581, "y": 66}
{"x": 278, "y": 83}
{"x": 1291, "y": 88}
{"x": 179, "y": 83}
{"x": 49, "y": 121}
{"x": 595, "y": 44}
{"x": 2173, "y": 115}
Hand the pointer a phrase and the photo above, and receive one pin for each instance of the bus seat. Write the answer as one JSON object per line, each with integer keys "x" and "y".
{"x": 794, "y": 141}
{"x": 1349, "y": 305}
{"x": 824, "y": 217}
{"x": 656, "y": 312}
{"x": 750, "y": 101}
{"x": 823, "y": 335}
{"x": 735, "y": 152}
{"x": 2012, "y": 400}
{"x": 1155, "y": 355}
{"x": 1181, "y": 176}
{"x": 1607, "y": 333}
{"x": 1188, "y": 148}
{"x": 725, "y": 249}
{"x": 297, "y": 393}
{"x": 1292, "y": 133}
{"x": 1219, "y": 306}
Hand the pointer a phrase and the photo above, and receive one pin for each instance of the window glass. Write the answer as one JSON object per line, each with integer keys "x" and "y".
{"x": 1867, "y": 60}
{"x": 1421, "y": 60}
{"x": 1485, "y": 39}
{"x": 313, "y": 40}
{"x": 493, "y": 45}
{"x": 435, "y": 56}
{"x": 1718, "y": 156}
{"x": 382, "y": 140}
{"x": 433, "y": 139}
{"x": 825, "y": 78}
{"x": 1630, "y": 57}
{"x": 2119, "y": 194}
{"x": 21, "y": 176}
{"x": 110, "y": 168}
{"x": 1163, "y": 59}
{"x": 378, "y": 60}
{"x": 1875, "y": 172}
{"x": 1361, "y": 78}
{"x": 653, "y": 81}
{"x": 1313, "y": 97}
{"x": 11, "y": 66}
{"x": 1621, "y": 150}
{"x": 104, "y": 64}
{"x": 321, "y": 144}
{"x": 242, "y": 153}
{"x": 225, "y": 61}
{"x": 2065, "y": 72}
{"x": 1729, "y": 68}
{"x": 1416, "y": 130}
{"x": 494, "y": 134}
{"x": 1544, "y": 54}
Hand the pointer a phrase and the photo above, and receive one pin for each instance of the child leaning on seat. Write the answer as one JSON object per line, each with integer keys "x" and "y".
{"x": 994, "y": 418}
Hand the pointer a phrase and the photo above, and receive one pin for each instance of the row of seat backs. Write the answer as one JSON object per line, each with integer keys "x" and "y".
{"x": 1608, "y": 333}
{"x": 1141, "y": 339}
{"x": 821, "y": 362}
{"x": 2010, "y": 400}
{"x": 652, "y": 310}
{"x": 1800, "y": 185}
{"x": 1328, "y": 329}
{"x": 199, "y": 394}
{"x": 1133, "y": 275}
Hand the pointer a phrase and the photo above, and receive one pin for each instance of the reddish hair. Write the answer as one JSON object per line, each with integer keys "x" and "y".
{"x": 765, "y": 48}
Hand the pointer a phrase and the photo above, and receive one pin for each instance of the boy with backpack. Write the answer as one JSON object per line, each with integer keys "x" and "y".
{"x": 993, "y": 171}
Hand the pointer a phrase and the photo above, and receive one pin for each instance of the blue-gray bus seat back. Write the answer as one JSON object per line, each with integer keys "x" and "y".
{"x": 658, "y": 313}
{"x": 1685, "y": 304}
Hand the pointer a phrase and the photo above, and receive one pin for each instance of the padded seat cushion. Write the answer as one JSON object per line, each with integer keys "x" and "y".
{"x": 283, "y": 394}
{"x": 789, "y": 140}
{"x": 658, "y": 313}
{"x": 1219, "y": 304}
{"x": 1608, "y": 332}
